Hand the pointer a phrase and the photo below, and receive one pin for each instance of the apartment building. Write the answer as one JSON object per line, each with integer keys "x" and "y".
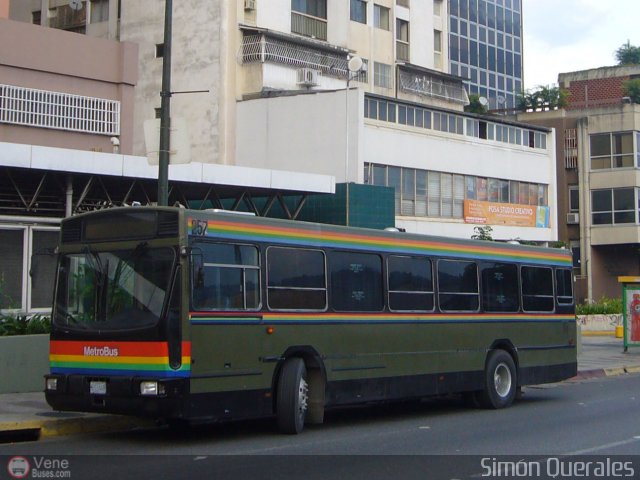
{"x": 401, "y": 122}
{"x": 485, "y": 46}
{"x": 66, "y": 147}
{"x": 360, "y": 91}
{"x": 598, "y": 144}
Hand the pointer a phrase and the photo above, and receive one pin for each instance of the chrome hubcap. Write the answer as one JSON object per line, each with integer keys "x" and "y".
{"x": 303, "y": 397}
{"x": 502, "y": 380}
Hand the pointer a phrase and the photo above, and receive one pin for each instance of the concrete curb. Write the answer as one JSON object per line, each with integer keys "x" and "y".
{"x": 608, "y": 372}
{"x": 46, "y": 428}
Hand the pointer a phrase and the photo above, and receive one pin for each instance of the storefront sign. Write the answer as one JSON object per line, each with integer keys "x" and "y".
{"x": 480, "y": 212}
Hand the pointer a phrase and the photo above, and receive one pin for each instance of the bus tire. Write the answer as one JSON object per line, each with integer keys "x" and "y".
{"x": 500, "y": 381}
{"x": 292, "y": 396}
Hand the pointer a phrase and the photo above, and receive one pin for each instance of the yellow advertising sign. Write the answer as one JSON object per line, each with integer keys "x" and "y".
{"x": 480, "y": 212}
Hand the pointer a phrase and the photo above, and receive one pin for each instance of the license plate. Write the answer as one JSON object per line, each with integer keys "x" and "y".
{"x": 98, "y": 388}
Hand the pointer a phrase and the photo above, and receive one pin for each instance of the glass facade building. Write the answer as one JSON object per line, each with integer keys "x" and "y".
{"x": 485, "y": 46}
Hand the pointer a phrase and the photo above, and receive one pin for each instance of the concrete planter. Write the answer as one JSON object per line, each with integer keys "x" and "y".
{"x": 602, "y": 324}
{"x": 24, "y": 360}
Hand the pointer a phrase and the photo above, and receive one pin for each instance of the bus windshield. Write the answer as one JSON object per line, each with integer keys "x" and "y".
{"x": 112, "y": 290}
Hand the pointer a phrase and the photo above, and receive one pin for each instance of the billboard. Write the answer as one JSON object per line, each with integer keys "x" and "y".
{"x": 511, "y": 214}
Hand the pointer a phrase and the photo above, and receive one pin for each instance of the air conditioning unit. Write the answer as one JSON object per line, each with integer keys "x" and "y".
{"x": 249, "y": 4}
{"x": 308, "y": 77}
{"x": 573, "y": 218}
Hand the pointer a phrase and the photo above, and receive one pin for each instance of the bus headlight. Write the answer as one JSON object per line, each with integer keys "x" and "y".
{"x": 52, "y": 384}
{"x": 151, "y": 388}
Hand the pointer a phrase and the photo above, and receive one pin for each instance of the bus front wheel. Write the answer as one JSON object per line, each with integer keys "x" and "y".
{"x": 292, "y": 396}
{"x": 500, "y": 381}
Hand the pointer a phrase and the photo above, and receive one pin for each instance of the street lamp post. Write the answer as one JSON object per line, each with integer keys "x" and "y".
{"x": 165, "y": 111}
{"x": 354, "y": 66}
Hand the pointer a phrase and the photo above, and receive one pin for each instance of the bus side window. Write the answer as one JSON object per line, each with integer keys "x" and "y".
{"x": 356, "y": 282}
{"x": 296, "y": 279}
{"x": 410, "y": 283}
{"x": 500, "y": 291}
{"x": 458, "y": 289}
{"x": 537, "y": 289}
{"x": 564, "y": 286}
{"x": 228, "y": 277}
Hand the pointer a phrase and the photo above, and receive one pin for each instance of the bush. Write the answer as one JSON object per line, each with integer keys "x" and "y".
{"x": 604, "y": 306}
{"x": 24, "y": 325}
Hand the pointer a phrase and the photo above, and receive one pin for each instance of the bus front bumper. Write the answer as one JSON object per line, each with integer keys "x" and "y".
{"x": 144, "y": 397}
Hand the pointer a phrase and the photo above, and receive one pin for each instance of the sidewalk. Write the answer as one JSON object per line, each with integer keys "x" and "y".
{"x": 26, "y": 416}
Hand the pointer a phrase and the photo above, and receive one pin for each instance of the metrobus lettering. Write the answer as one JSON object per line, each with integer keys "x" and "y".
{"x": 100, "y": 352}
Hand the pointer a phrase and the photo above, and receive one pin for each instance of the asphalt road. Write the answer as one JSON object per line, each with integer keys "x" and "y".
{"x": 594, "y": 419}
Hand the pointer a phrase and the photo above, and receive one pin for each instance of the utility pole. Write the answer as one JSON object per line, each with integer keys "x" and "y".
{"x": 165, "y": 111}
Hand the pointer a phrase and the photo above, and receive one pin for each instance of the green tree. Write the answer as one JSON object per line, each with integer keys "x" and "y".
{"x": 482, "y": 233}
{"x": 544, "y": 97}
{"x": 628, "y": 54}
{"x": 475, "y": 105}
{"x": 631, "y": 89}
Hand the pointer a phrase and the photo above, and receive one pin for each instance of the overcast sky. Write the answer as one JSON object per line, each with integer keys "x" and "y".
{"x": 569, "y": 35}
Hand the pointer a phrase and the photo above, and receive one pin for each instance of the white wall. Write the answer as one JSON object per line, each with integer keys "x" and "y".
{"x": 305, "y": 133}
{"x": 432, "y": 150}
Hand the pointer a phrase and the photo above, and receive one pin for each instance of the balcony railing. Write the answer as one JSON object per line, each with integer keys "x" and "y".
{"x": 308, "y": 25}
{"x": 428, "y": 86}
{"x": 60, "y": 111}
{"x": 263, "y": 49}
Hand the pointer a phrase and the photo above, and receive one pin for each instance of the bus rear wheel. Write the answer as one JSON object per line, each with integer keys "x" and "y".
{"x": 500, "y": 381}
{"x": 292, "y": 396}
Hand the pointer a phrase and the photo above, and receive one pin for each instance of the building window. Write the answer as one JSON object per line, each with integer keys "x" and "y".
{"x": 314, "y": 8}
{"x": 437, "y": 8}
{"x": 309, "y": 17}
{"x": 612, "y": 150}
{"x": 574, "y": 198}
{"x": 359, "y": 11}
{"x": 381, "y": 17}
{"x": 28, "y": 268}
{"x": 425, "y": 193}
{"x": 159, "y": 50}
{"x": 402, "y": 40}
{"x": 615, "y": 206}
{"x": 65, "y": 18}
{"x": 403, "y": 3}
{"x": 382, "y": 75}
{"x": 437, "y": 49}
{"x": 570, "y": 148}
{"x": 99, "y": 11}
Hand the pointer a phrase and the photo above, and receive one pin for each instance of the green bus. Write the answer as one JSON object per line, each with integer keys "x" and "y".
{"x": 207, "y": 316}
